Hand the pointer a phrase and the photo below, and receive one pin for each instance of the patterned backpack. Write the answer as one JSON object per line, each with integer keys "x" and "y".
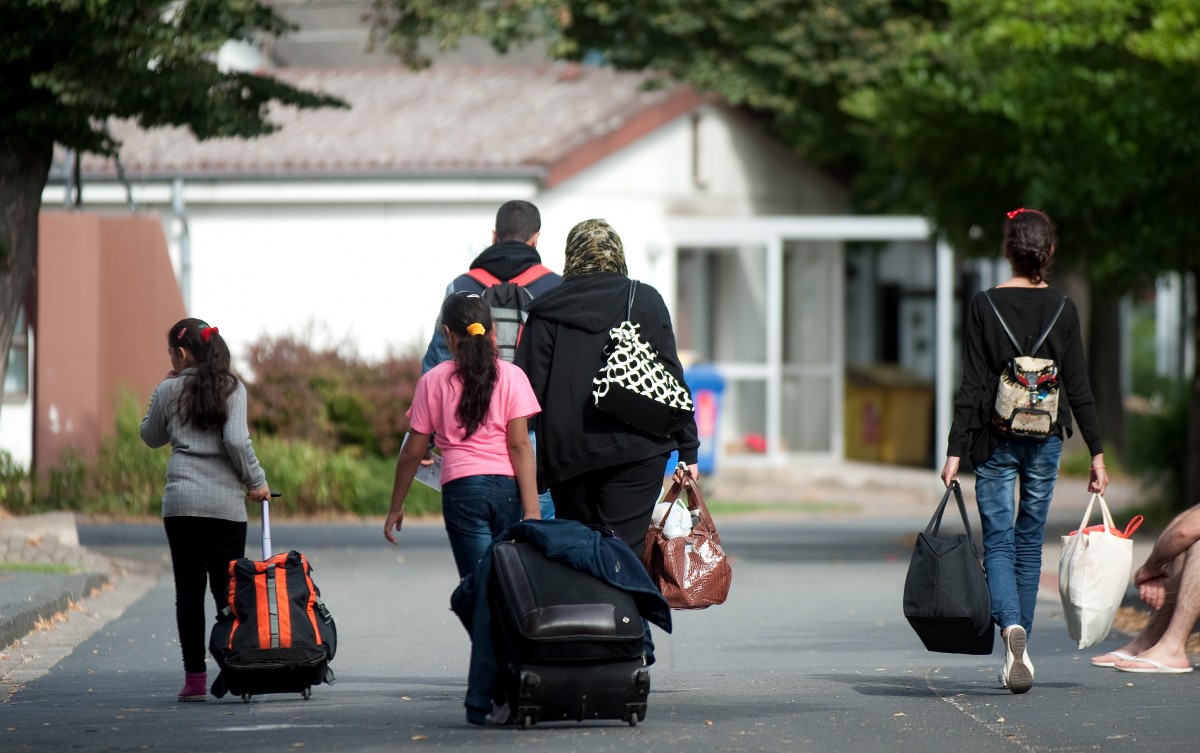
{"x": 1027, "y": 398}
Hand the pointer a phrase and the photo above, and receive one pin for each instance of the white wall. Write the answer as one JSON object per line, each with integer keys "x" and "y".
{"x": 369, "y": 276}
{"x": 366, "y": 262}
{"x": 16, "y": 431}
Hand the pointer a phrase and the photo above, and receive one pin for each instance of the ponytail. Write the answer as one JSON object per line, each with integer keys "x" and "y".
{"x": 470, "y": 318}
{"x": 204, "y": 399}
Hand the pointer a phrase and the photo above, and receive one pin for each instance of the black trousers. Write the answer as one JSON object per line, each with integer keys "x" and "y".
{"x": 620, "y": 497}
{"x": 201, "y": 550}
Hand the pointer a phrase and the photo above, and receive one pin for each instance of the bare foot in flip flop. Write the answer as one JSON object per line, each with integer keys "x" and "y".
{"x": 1111, "y": 658}
{"x": 1155, "y": 660}
{"x": 1144, "y": 665}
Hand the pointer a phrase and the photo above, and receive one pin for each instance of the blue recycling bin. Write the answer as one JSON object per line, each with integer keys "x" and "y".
{"x": 707, "y": 387}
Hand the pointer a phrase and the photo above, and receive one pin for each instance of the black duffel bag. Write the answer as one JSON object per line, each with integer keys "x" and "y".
{"x": 945, "y": 592}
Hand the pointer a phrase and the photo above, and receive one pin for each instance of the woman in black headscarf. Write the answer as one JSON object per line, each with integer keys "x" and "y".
{"x": 599, "y": 469}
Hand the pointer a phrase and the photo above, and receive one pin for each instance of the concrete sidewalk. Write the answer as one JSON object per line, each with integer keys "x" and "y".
{"x": 48, "y": 569}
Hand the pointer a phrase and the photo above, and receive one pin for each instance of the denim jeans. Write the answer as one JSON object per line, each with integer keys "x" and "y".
{"x": 475, "y": 509}
{"x": 545, "y": 501}
{"x": 1012, "y": 549}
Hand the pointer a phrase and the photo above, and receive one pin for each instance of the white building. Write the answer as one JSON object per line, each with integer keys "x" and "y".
{"x": 347, "y": 224}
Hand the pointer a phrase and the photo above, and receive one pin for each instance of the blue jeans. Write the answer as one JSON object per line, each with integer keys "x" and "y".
{"x": 1012, "y": 550}
{"x": 475, "y": 509}
{"x": 545, "y": 502}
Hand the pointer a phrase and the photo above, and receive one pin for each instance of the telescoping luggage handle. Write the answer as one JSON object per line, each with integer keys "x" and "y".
{"x": 266, "y": 527}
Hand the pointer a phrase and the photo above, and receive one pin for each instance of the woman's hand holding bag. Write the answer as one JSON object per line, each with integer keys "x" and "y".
{"x": 692, "y": 571}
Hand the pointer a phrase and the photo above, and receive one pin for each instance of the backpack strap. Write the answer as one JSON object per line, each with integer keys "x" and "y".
{"x": 483, "y": 277}
{"x": 487, "y": 279}
{"x": 1061, "y": 305}
{"x": 530, "y": 275}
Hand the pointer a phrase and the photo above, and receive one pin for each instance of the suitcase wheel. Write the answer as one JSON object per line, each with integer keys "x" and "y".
{"x": 527, "y": 722}
{"x": 245, "y": 698}
{"x": 306, "y": 693}
{"x": 633, "y": 719}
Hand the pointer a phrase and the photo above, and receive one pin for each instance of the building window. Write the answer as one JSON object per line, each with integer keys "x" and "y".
{"x": 16, "y": 378}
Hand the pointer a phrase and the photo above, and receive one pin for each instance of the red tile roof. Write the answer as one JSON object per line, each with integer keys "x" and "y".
{"x": 548, "y": 120}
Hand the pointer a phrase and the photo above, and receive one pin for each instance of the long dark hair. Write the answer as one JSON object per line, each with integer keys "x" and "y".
{"x": 470, "y": 318}
{"x": 203, "y": 401}
{"x": 1029, "y": 243}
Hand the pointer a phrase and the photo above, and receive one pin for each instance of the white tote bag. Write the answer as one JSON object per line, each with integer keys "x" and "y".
{"x": 1093, "y": 574}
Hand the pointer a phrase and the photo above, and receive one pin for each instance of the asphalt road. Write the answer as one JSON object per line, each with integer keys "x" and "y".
{"x": 810, "y": 653}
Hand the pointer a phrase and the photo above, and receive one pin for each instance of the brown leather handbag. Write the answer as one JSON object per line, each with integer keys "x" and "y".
{"x": 692, "y": 571}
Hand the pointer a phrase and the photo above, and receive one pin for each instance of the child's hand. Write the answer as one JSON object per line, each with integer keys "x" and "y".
{"x": 394, "y": 519}
{"x": 261, "y": 494}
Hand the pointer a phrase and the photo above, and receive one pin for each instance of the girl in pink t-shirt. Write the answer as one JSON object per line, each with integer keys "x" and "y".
{"x": 477, "y": 407}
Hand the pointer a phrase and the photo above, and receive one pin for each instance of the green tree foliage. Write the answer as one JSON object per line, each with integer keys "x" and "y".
{"x": 958, "y": 109}
{"x": 955, "y": 109}
{"x": 68, "y": 66}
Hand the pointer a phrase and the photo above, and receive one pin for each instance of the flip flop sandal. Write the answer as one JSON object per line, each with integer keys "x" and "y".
{"x": 1155, "y": 668}
{"x": 1121, "y": 656}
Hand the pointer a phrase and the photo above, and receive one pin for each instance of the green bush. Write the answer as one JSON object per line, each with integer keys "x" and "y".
{"x": 1079, "y": 463}
{"x": 126, "y": 477}
{"x": 16, "y": 486}
{"x": 1158, "y": 444}
{"x": 329, "y": 399}
{"x": 327, "y": 429}
{"x": 318, "y": 483}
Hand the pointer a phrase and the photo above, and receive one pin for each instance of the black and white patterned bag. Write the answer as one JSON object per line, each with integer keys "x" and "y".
{"x": 634, "y": 386}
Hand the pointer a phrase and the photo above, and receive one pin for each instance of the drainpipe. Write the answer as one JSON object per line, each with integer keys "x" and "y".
{"x": 184, "y": 238}
{"x": 944, "y": 387}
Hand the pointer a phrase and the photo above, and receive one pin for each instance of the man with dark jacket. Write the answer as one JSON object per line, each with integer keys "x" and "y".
{"x": 512, "y": 253}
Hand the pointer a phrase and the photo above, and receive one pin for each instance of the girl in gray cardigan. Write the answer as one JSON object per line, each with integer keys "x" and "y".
{"x": 200, "y": 409}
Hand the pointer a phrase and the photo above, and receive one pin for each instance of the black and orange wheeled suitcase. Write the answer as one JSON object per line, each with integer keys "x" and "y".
{"x": 275, "y": 635}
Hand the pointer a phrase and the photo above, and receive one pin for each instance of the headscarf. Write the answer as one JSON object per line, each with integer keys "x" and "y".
{"x": 593, "y": 246}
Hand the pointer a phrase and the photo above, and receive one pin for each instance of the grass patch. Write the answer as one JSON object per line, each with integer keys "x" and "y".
{"x": 37, "y": 567}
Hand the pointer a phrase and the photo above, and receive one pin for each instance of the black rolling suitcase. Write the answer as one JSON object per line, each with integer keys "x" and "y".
{"x": 275, "y": 635}
{"x": 569, "y": 645}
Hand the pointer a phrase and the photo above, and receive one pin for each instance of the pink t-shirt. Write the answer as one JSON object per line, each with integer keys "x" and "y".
{"x": 484, "y": 453}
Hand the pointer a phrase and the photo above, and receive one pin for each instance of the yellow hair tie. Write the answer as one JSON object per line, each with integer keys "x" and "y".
{"x": 475, "y": 328}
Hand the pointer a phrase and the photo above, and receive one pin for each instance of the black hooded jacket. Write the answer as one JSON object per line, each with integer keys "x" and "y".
{"x": 506, "y": 260}
{"x": 562, "y": 349}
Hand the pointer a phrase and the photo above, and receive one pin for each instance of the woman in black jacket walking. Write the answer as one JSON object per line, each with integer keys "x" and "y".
{"x": 1012, "y": 548}
{"x": 599, "y": 469}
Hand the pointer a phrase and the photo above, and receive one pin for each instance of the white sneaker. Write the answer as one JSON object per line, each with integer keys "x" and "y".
{"x": 1018, "y": 669}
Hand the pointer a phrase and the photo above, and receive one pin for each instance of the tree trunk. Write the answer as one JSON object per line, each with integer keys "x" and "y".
{"x": 24, "y": 165}
{"x": 1104, "y": 368}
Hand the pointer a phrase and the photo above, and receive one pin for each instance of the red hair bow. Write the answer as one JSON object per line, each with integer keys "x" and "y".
{"x": 1013, "y": 214}
{"x": 207, "y": 333}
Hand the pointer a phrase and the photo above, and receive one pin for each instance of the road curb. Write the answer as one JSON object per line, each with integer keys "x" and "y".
{"x": 47, "y": 602}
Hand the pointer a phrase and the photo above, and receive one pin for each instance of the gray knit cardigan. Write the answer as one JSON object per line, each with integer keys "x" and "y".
{"x": 209, "y": 471}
